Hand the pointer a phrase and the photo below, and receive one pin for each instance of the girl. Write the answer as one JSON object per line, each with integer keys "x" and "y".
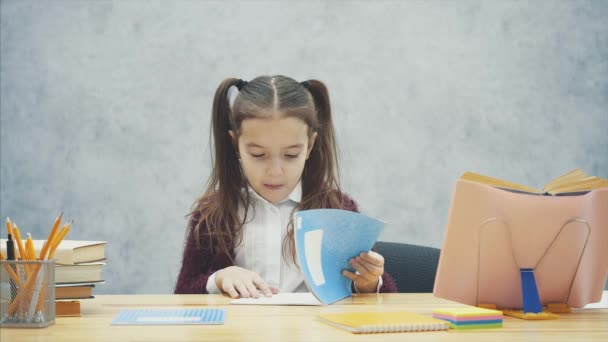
{"x": 275, "y": 154}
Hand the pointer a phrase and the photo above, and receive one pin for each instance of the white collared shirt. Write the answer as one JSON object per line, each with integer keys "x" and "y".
{"x": 262, "y": 245}
{"x": 261, "y": 248}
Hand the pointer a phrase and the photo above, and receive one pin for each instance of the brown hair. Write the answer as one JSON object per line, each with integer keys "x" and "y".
{"x": 217, "y": 209}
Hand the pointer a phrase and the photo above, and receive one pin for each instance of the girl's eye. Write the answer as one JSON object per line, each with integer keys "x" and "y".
{"x": 292, "y": 156}
{"x": 257, "y": 155}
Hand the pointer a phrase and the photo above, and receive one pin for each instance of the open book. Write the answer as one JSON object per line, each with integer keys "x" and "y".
{"x": 494, "y": 238}
{"x": 573, "y": 182}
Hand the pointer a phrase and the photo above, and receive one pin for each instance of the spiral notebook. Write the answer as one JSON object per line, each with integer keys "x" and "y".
{"x": 383, "y": 322}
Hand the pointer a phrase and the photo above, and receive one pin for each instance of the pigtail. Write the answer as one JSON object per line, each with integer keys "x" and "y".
{"x": 225, "y": 167}
{"x": 321, "y": 169}
{"x": 320, "y": 186}
{"x": 217, "y": 209}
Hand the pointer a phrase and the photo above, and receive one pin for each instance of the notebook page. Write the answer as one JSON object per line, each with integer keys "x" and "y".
{"x": 300, "y": 298}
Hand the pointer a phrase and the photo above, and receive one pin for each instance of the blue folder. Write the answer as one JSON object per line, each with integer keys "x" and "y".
{"x": 325, "y": 240}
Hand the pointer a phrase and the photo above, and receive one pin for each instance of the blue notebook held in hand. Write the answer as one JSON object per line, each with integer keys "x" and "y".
{"x": 170, "y": 317}
{"x": 325, "y": 240}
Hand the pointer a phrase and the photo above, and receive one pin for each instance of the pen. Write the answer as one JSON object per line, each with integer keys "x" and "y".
{"x": 10, "y": 256}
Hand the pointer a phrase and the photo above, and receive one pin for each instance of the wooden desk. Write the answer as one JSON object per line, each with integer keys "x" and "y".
{"x": 294, "y": 323}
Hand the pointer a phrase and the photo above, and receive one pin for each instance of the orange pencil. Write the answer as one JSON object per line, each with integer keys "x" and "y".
{"x": 11, "y": 272}
{"x": 23, "y": 291}
{"x": 29, "y": 248}
{"x": 20, "y": 247}
{"x": 64, "y": 231}
{"x": 49, "y": 240}
{"x": 9, "y": 226}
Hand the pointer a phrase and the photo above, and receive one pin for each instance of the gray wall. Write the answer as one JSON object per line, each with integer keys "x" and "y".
{"x": 105, "y": 107}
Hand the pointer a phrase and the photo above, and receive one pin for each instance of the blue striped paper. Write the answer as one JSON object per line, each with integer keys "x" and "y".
{"x": 170, "y": 317}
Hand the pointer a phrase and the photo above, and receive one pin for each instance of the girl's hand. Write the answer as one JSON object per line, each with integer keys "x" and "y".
{"x": 240, "y": 282}
{"x": 370, "y": 267}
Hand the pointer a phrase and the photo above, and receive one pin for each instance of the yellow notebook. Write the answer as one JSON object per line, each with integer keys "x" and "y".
{"x": 571, "y": 182}
{"x": 381, "y": 322}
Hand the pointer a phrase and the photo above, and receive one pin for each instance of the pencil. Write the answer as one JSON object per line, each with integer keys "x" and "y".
{"x": 11, "y": 272}
{"x": 23, "y": 291}
{"x": 64, "y": 231}
{"x": 29, "y": 248}
{"x": 22, "y": 253}
{"x": 9, "y": 226}
{"x": 20, "y": 247}
{"x": 49, "y": 240}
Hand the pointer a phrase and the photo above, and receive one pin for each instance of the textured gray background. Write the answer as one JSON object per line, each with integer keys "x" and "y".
{"x": 105, "y": 107}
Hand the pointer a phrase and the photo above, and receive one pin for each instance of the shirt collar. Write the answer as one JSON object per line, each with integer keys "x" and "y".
{"x": 295, "y": 195}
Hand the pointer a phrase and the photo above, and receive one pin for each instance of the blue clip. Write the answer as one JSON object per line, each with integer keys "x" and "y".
{"x": 529, "y": 291}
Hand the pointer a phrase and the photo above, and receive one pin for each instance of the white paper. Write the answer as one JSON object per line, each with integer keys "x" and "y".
{"x": 299, "y": 298}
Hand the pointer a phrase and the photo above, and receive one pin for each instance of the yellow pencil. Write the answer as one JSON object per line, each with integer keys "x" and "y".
{"x": 11, "y": 272}
{"x": 29, "y": 248}
{"x": 64, "y": 231}
{"x": 49, "y": 240}
{"x": 20, "y": 247}
{"x": 9, "y": 226}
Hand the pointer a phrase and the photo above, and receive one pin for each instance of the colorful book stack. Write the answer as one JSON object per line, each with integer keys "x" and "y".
{"x": 470, "y": 318}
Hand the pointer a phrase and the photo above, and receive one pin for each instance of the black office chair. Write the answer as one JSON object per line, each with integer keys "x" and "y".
{"x": 412, "y": 267}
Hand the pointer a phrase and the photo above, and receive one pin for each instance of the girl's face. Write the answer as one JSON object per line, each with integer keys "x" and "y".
{"x": 273, "y": 152}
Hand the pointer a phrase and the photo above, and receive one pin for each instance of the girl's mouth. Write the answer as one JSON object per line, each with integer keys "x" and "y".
{"x": 273, "y": 186}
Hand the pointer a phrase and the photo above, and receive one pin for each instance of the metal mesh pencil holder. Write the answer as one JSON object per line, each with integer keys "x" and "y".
{"x": 27, "y": 293}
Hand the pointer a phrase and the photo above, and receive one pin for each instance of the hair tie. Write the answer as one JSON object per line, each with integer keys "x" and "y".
{"x": 305, "y": 84}
{"x": 240, "y": 84}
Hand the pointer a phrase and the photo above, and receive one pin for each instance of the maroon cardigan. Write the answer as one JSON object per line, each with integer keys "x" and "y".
{"x": 200, "y": 263}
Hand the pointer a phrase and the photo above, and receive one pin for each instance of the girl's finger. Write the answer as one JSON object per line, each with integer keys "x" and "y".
{"x": 373, "y": 258}
{"x": 363, "y": 271}
{"x": 371, "y": 268}
{"x": 253, "y": 290}
{"x": 261, "y": 284}
{"x": 242, "y": 290}
{"x": 350, "y": 275}
{"x": 228, "y": 287}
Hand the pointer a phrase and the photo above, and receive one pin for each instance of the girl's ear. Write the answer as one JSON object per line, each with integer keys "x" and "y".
{"x": 235, "y": 141}
{"x": 311, "y": 144}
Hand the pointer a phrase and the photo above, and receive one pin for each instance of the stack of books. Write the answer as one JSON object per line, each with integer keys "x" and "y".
{"x": 78, "y": 266}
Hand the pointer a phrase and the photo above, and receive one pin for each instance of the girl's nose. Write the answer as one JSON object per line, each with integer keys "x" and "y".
{"x": 275, "y": 168}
